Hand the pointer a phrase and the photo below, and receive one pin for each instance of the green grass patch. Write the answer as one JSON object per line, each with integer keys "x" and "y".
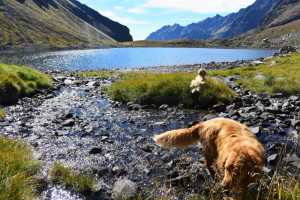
{"x": 280, "y": 78}
{"x": 2, "y": 114}
{"x": 171, "y": 89}
{"x": 17, "y": 170}
{"x": 95, "y": 74}
{"x": 74, "y": 181}
{"x": 18, "y": 81}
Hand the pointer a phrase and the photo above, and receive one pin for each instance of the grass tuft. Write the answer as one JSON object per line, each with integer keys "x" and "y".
{"x": 18, "y": 81}
{"x": 171, "y": 89}
{"x": 78, "y": 182}
{"x": 17, "y": 170}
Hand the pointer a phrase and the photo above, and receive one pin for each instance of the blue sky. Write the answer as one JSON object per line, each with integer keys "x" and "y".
{"x": 146, "y": 16}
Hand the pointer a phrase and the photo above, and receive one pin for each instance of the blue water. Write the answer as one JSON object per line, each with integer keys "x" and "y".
{"x": 137, "y": 57}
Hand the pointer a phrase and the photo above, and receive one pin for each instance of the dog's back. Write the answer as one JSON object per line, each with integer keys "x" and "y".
{"x": 230, "y": 144}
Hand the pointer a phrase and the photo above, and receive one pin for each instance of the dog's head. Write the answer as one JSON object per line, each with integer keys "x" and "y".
{"x": 243, "y": 164}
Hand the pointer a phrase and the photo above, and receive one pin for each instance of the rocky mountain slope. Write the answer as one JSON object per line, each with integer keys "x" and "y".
{"x": 279, "y": 27}
{"x": 283, "y": 12}
{"x": 56, "y": 23}
{"x": 218, "y": 26}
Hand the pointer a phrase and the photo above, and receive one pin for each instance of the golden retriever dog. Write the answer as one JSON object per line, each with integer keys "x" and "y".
{"x": 227, "y": 144}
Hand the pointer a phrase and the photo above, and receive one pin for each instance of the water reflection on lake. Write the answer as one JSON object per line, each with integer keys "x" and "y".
{"x": 129, "y": 57}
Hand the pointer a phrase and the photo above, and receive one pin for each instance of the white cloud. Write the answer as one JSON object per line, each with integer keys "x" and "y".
{"x": 136, "y": 10}
{"x": 198, "y": 6}
{"x": 118, "y": 8}
{"x": 122, "y": 20}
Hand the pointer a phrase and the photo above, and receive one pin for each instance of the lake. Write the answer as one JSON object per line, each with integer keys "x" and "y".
{"x": 130, "y": 57}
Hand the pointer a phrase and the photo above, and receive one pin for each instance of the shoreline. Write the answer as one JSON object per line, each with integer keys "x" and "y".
{"x": 42, "y": 49}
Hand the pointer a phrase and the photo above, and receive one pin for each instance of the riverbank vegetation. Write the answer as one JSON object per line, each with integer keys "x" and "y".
{"x": 74, "y": 181}
{"x": 17, "y": 170}
{"x": 171, "y": 89}
{"x": 280, "y": 75}
{"x": 95, "y": 74}
{"x": 18, "y": 81}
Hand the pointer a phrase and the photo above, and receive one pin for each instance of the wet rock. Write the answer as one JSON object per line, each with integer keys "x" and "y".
{"x": 287, "y": 49}
{"x": 118, "y": 170}
{"x": 163, "y": 107}
{"x": 147, "y": 148}
{"x": 95, "y": 150}
{"x": 294, "y": 98}
{"x": 69, "y": 122}
{"x": 135, "y": 107}
{"x": 124, "y": 189}
{"x": 273, "y": 159}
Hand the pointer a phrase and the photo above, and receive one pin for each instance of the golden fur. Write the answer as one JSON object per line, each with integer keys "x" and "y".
{"x": 199, "y": 81}
{"x": 228, "y": 144}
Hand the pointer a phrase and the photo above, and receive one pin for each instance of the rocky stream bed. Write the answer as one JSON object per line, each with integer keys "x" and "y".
{"x": 76, "y": 124}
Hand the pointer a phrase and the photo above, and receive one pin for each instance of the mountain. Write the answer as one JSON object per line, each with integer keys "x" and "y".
{"x": 56, "y": 23}
{"x": 280, "y": 26}
{"x": 218, "y": 27}
{"x": 283, "y": 12}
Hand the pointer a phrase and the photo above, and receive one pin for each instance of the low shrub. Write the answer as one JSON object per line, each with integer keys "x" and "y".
{"x": 18, "y": 81}
{"x": 17, "y": 170}
{"x": 171, "y": 89}
{"x": 78, "y": 182}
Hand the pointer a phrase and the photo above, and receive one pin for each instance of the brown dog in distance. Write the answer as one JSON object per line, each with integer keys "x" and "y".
{"x": 228, "y": 144}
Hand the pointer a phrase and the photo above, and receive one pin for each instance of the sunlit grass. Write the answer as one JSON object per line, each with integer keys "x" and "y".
{"x": 282, "y": 77}
{"x": 20, "y": 81}
{"x": 17, "y": 170}
{"x": 171, "y": 89}
{"x": 78, "y": 182}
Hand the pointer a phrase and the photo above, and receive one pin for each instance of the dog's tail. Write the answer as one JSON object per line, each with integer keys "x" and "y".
{"x": 179, "y": 138}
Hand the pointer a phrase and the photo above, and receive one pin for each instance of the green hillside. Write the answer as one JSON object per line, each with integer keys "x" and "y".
{"x": 55, "y": 23}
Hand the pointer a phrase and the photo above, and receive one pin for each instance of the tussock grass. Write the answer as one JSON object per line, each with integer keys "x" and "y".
{"x": 280, "y": 78}
{"x": 20, "y": 81}
{"x": 17, "y": 170}
{"x": 78, "y": 182}
{"x": 171, "y": 89}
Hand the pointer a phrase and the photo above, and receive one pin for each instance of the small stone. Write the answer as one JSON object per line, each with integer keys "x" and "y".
{"x": 95, "y": 150}
{"x": 255, "y": 130}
